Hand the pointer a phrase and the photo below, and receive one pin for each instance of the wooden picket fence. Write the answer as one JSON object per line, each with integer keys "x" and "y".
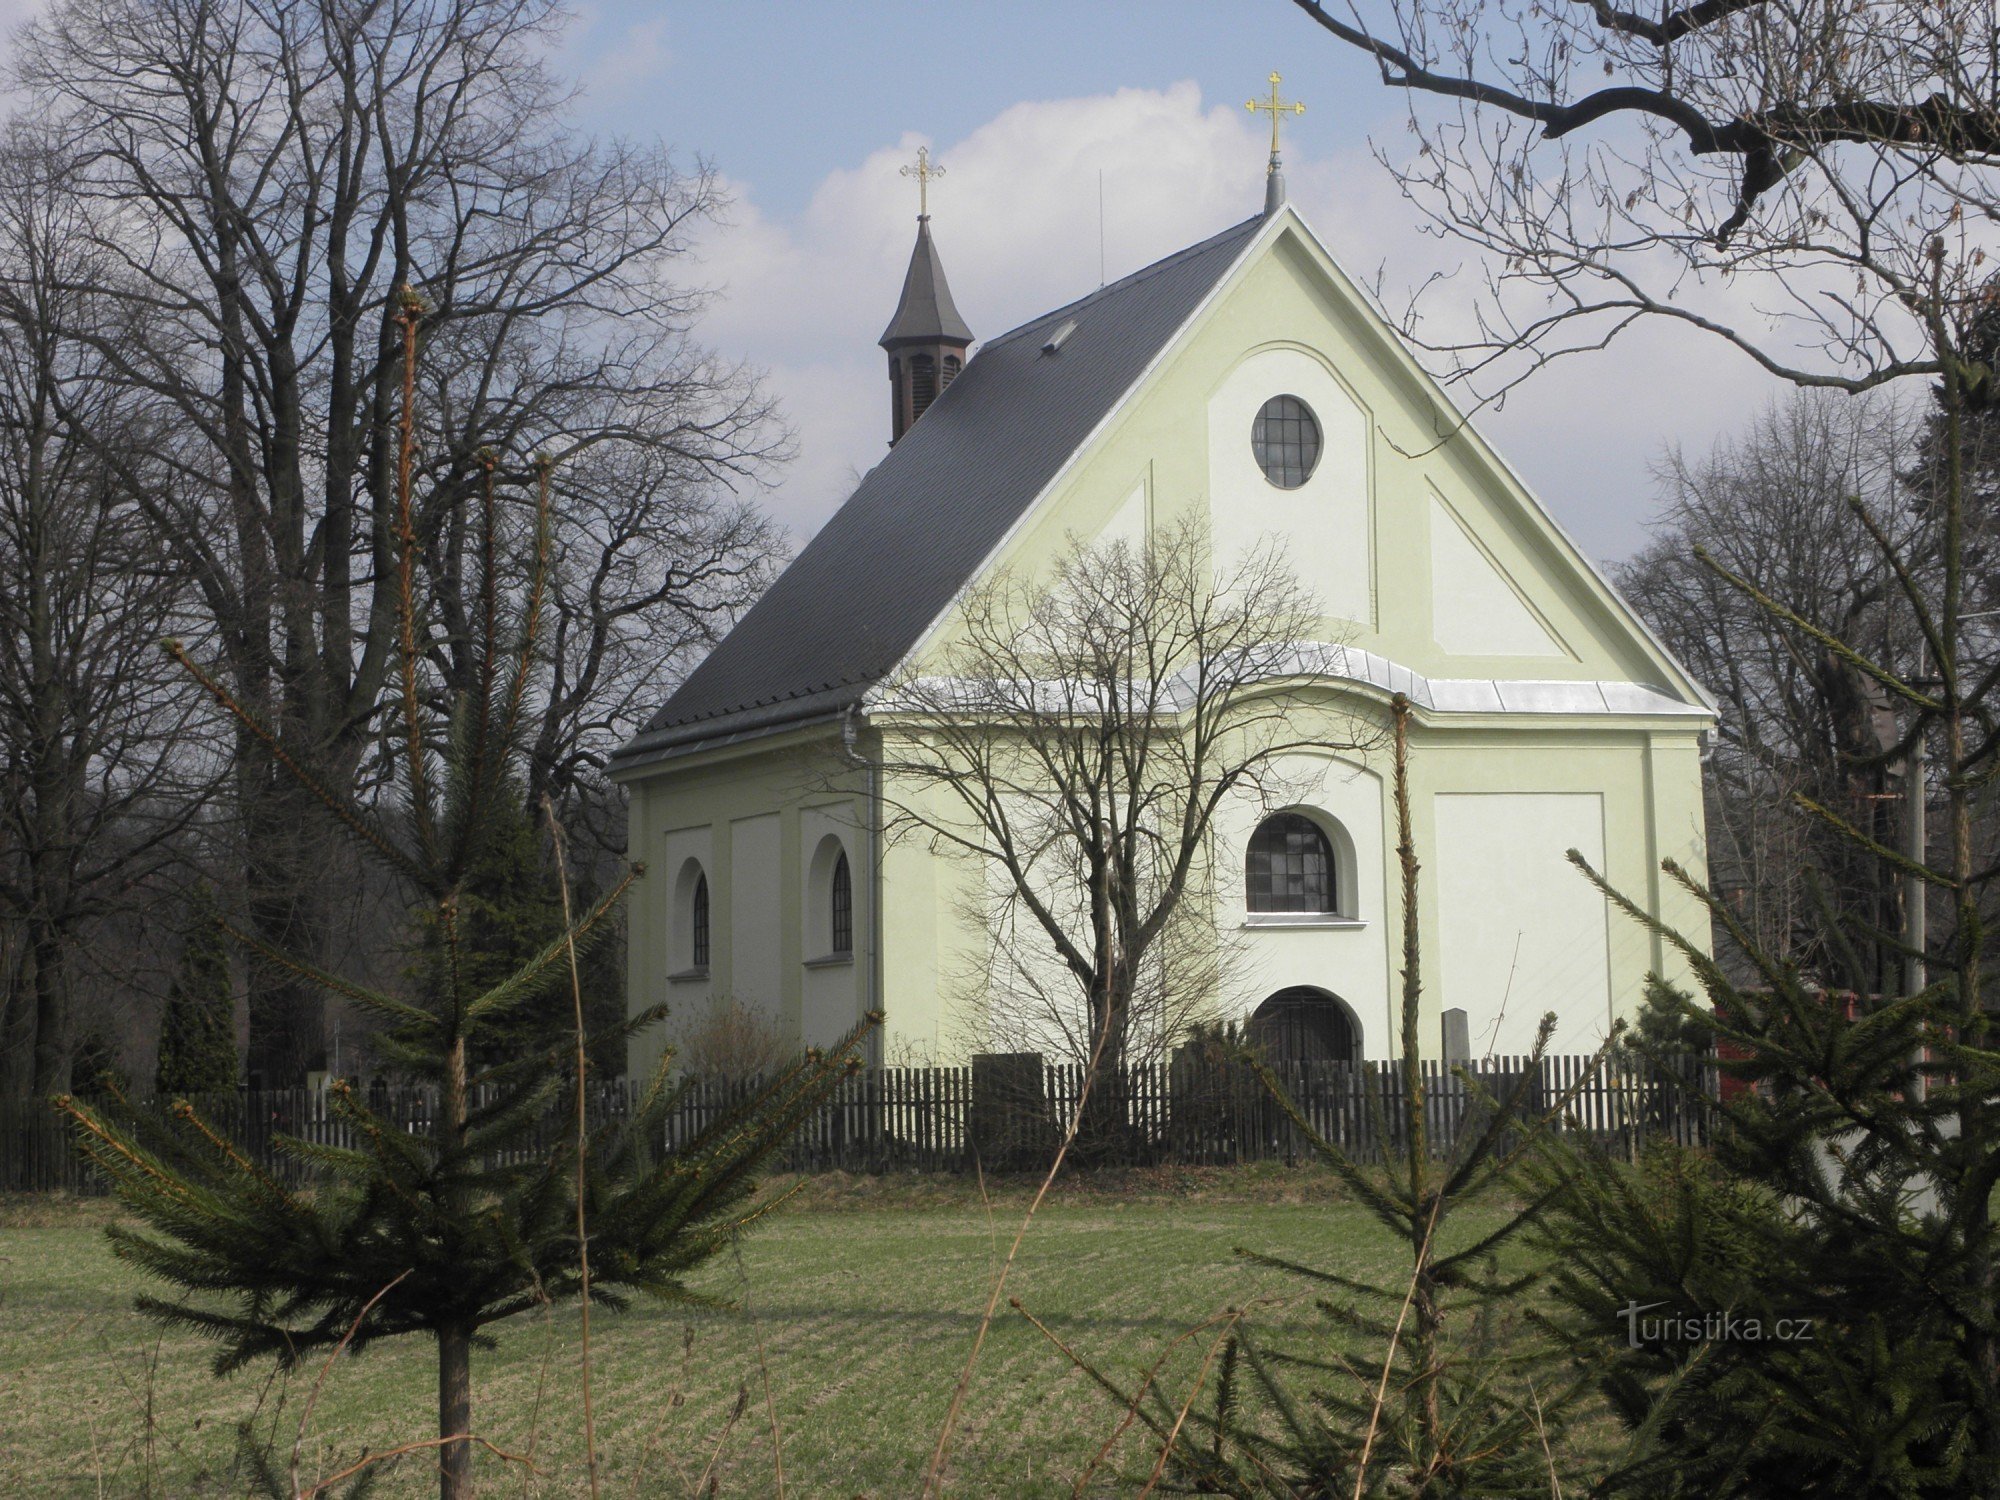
{"x": 1190, "y": 1111}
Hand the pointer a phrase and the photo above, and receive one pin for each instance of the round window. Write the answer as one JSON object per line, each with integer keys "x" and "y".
{"x": 1285, "y": 438}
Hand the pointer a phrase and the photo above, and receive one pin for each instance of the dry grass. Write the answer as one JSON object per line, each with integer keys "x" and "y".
{"x": 865, "y": 1292}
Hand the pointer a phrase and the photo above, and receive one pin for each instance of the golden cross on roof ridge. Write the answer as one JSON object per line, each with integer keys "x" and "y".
{"x": 924, "y": 170}
{"x": 1277, "y": 108}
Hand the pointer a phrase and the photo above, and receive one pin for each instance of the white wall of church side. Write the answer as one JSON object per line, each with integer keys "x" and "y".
{"x": 1476, "y": 610}
{"x": 1132, "y": 523}
{"x": 1521, "y": 931}
{"x": 1322, "y": 526}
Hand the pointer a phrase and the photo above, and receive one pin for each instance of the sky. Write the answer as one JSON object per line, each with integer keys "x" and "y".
{"x": 808, "y": 111}
{"x": 1043, "y": 113}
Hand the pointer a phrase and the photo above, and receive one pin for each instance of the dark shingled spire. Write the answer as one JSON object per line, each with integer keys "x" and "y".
{"x": 926, "y": 314}
{"x": 926, "y": 340}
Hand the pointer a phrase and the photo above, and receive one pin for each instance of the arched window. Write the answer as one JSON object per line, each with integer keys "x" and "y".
{"x": 698, "y": 923}
{"x": 841, "y": 907}
{"x": 1290, "y": 867}
{"x": 1285, "y": 438}
{"x": 923, "y": 383}
{"x": 951, "y": 369}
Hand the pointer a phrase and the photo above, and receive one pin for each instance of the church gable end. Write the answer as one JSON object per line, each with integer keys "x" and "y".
{"x": 1290, "y": 412}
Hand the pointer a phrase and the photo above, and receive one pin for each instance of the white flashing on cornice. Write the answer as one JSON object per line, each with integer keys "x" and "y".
{"x": 1323, "y": 661}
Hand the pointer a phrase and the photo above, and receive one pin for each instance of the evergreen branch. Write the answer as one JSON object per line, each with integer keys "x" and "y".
{"x": 1826, "y": 638}
{"x": 1393, "y": 1211}
{"x": 386, "y": 1006}
{"x": 1889, "y": 856}
{"x": 1913, "y": 593}
{"x": 1505, "y": 1111}
{"x": 186, "y": 1112}
{"x": 98, "y": 1137}
{"x": 349, "y": 815}
{"x": 1705, "y": 967}
{"x": 545, "y": 967}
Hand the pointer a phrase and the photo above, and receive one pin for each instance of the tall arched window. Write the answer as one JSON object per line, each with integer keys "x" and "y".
{"x": 1290, "y": 867}
{"x": 841, "y": 898}
{"x": 951, "y": 369}
{"x": 698, "y": 923}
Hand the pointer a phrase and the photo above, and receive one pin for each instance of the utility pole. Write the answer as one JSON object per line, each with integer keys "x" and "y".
{"x": 1916, "y": 844}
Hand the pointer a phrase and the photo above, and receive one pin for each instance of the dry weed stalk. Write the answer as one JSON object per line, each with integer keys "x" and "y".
{"x": 319, "y": 1380}
{"x": 934, "y": 1476}
{"x": 582, "y": 1138}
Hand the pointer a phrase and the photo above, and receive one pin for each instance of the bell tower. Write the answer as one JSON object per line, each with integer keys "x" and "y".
{"x": 926, "y": 340}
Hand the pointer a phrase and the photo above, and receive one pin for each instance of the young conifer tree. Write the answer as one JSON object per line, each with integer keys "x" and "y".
{"x": 1450, "y": 1394}
{"x": 198, "y": 1026}
{"x": 1847, "y": 1212}
{"x": 447, "y": 1233}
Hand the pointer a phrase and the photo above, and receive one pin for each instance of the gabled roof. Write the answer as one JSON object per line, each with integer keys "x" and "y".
{"x": 926, "y": 312}
{"x": 894, "y": 556}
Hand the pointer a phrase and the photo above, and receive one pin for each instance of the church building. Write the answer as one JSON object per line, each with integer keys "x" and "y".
{"x": 1248, "y": 381}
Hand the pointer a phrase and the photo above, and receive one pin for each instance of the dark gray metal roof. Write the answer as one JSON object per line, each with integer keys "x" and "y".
{"x": 890, "y": 560}
{"x": 925, "y": 313}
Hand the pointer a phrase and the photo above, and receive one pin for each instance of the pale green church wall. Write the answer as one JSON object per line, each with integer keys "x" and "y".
{"x": 1508, "y": 925}
{"x": 1282, "y": 312}
{"x": 755, "y": 822}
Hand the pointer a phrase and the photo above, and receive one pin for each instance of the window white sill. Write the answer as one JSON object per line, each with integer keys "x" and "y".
{"x": 1301, "y": 919}
{"x": 687, "y": 976}
{"x": 831, "y": 961}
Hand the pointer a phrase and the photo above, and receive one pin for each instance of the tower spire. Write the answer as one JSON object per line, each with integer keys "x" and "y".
{"x": 926, "y": 340}
{"x": 1277, "y": 108}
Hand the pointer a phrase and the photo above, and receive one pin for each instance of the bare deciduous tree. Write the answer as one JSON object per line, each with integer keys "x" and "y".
{"x": 1072, "y": 742}
{"x": 1807, "y": 181}
{"x": 1774, "y": 504}
{"x": 262, "y": 179}
{"x": 99, "y": 771}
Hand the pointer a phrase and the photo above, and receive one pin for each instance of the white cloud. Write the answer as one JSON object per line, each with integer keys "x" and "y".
{"x": 1016, "y": 221}
{"x": 636, "y": 57}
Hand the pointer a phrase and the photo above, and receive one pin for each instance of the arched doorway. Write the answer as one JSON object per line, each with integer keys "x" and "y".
{"x": 1304, "y": 1024}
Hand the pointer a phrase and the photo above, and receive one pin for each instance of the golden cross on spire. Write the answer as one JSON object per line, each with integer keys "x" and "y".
{"x": 1276, "y": 108}
{"x": 924, "y": 170}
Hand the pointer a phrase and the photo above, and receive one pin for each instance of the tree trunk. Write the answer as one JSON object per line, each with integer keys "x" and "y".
{"x": 289, "y": 902}
{"x": 1104, "y": 1134}
{"x": 454, "y": 1341}
{"x": 52, "y": 1051}
{"x": 454, "y": 1412}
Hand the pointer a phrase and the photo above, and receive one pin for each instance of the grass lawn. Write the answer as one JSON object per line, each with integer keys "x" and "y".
{"x": 855, "y": 1307}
